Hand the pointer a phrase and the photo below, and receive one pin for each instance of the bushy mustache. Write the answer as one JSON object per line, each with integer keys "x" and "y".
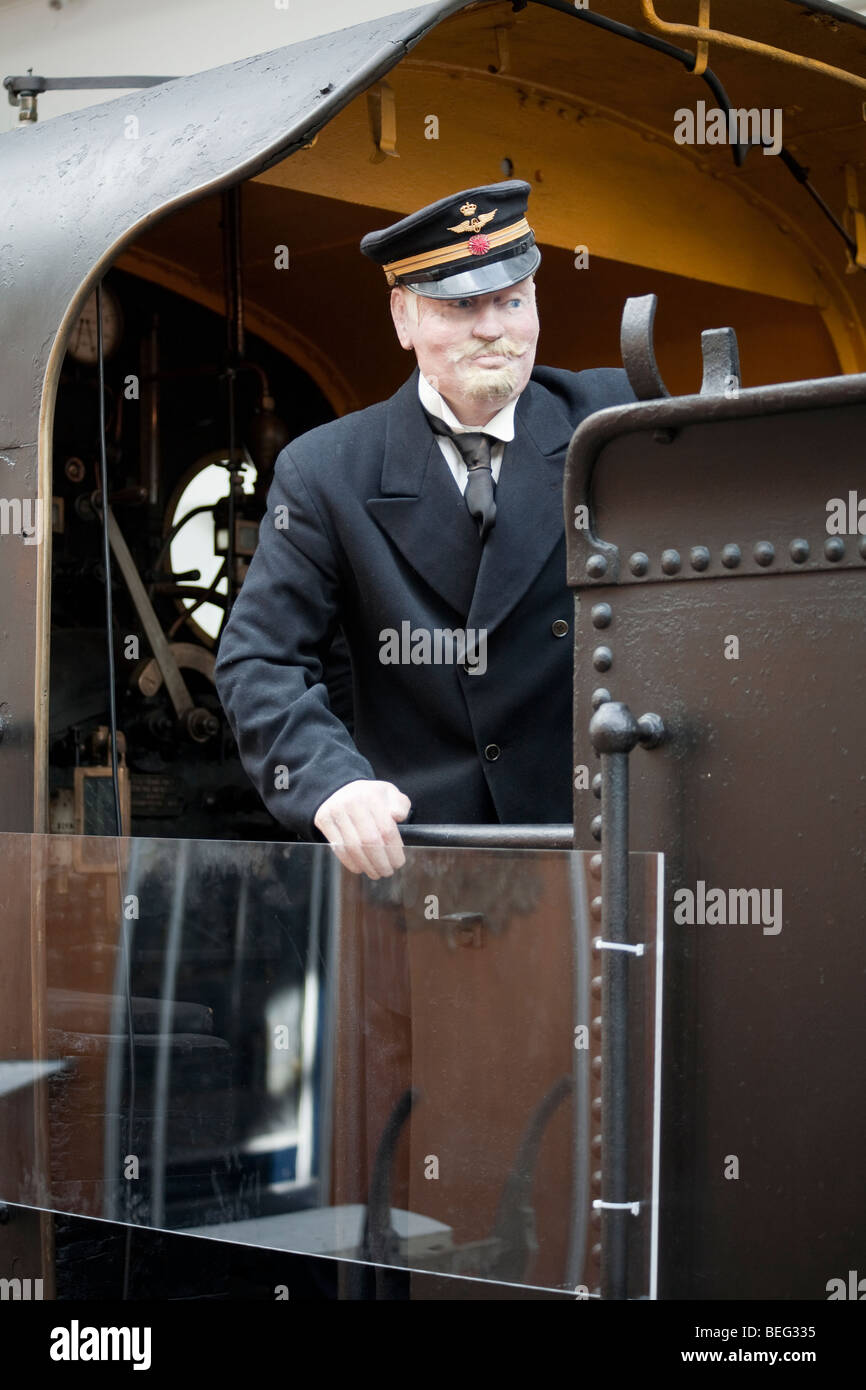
{"x": 503, "y": 347}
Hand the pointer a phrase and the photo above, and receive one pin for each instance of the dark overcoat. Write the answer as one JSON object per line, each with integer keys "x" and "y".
{"x": 366, "y": 531}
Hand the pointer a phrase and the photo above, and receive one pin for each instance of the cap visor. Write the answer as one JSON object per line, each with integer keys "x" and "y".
{"x": 481, "y": 279}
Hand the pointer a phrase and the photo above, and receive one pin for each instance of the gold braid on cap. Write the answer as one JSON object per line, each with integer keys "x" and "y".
{"x": 460, "y": 250}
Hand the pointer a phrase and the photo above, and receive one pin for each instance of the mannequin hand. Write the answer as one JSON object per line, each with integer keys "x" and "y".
{"x": 359, "y": 821}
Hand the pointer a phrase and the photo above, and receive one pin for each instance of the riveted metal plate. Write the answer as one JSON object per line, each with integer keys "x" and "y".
{"x": 760, "y": 785}
{"x": 744, "y": 495}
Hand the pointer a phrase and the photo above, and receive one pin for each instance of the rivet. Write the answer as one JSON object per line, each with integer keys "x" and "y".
{"x": 699, "y": 557}
{"x": 595, "y": 1219}
{"x": 596, "y": 1180}
{"x": 596, "y": 566}
{"x": 595, "y": 1026}
{"x": 731, "y": 556}
{"x": 861, "y": 546}
{"x": 601, "y": 615}
{"x": 596, "y": 1066}
{"x": 595, "y": 1145}
{"x": 596, "y": 784}
{"x": 764, "y": 553}
{"x": 651, "y": 730}
{"x": 595, "y": 866}
{"x": 602, "y": 658}
{"x": 834, "y": 548}
{"x": 595, "y": 909}
{"x": 596, "y": 1107}
{"x": 799, "y": 550}
{"x": 595, "y": 828}
{"x": 595, "y": 986}
{"x": 596, "y": 1252}
{"x": 600, "y": 697}
{"x": 638, "y": 563}
{"x": 671, "y": 561}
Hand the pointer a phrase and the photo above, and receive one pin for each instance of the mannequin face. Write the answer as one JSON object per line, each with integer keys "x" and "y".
{"x": 478, "y": 353}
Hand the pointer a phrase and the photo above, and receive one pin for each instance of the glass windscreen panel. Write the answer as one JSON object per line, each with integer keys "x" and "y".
{"x": 245, "y": 1042}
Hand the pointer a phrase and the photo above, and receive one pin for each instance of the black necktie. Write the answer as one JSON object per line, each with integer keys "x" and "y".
{"x": 476, "y": 450}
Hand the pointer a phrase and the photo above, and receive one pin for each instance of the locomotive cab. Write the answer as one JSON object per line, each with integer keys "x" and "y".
{"x": 211, "y": 306}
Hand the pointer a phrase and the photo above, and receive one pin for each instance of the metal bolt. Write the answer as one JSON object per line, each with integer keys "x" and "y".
{"x": 601, "y": 615}
{"x": 764, "y": 553}
{"x": 602, "y": 658}
{"x": 651, "y": 730}
{"x": 638, "y": 563}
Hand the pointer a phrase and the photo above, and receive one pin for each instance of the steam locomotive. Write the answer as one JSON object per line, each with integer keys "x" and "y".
{"x": 633, "y": 1060}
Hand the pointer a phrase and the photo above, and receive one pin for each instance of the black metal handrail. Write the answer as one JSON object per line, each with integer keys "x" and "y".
{"x": 490, "y": 836}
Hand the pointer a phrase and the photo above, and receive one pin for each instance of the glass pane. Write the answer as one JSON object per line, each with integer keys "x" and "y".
{"x": 243, "y": 1041}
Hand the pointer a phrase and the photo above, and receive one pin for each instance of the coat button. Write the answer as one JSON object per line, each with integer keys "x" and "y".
{"x": 559, "y": 628}
{"x": 492, "y": 752}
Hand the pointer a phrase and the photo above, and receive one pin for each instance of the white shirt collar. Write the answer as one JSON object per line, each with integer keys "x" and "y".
{"x": 501, "y": 426}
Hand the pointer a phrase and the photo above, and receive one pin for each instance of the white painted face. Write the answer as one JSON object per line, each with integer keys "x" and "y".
{"x": 478, "y": 353}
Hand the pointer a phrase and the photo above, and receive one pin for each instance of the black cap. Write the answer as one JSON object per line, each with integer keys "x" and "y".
{"x": 472, "y": 243}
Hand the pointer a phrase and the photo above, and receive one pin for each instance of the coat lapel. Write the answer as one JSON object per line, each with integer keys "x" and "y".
{"x": 529, "y": 508}
{"x": 420, "y": 506}
{"x": 424, "y": 514}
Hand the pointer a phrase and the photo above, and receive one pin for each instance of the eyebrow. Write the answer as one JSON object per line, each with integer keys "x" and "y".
{"x": 467, "y": 299}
